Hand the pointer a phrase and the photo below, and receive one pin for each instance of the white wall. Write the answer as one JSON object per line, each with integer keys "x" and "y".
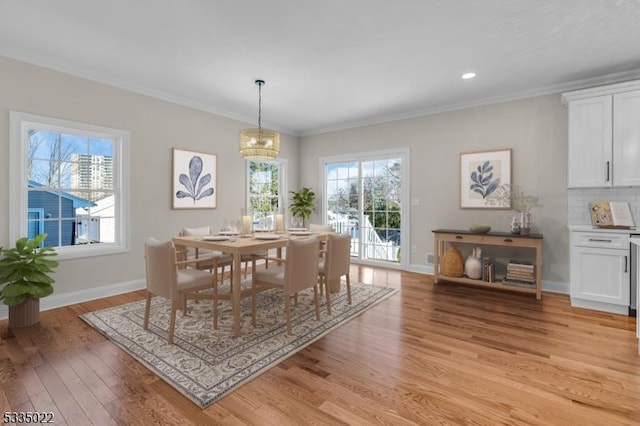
{"x": 534, "y": 128}
{"x": 156, "y": 127}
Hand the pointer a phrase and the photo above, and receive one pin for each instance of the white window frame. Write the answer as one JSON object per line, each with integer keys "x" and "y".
{"x": 20, "y": 123}
{"x": 282, "y": 202}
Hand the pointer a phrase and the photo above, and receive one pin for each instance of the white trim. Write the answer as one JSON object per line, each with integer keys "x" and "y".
{"x": 609, "y": 89}
{"x": 600, "y": 306}
{"x": 65, "y": 299}
{"x": 20, "y": 122}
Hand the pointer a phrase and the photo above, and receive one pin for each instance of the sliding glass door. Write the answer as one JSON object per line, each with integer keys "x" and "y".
{"x": 364, "y": 196}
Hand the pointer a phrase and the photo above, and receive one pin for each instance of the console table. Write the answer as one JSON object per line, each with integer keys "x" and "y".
{"x": 504, "y": 239}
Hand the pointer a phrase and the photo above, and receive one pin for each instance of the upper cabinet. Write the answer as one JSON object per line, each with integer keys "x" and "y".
{"x": 604, "y": 136}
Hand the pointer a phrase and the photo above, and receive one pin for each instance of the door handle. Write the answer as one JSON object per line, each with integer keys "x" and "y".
{"x": 607, "y": 171}
{"x": 625, "y": 264}
{"x": 599, "y": 240}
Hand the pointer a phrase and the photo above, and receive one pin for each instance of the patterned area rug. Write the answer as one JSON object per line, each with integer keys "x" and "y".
{"x": 204, "y": 364}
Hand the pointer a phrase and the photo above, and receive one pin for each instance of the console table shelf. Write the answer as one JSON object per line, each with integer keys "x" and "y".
{"x": 532, "y": 241}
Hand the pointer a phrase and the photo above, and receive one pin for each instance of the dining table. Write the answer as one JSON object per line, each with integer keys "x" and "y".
{"x": 236, "y": 246}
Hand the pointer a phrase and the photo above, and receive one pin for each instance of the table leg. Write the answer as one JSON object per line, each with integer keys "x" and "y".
{"x": 436, "y": 258}
{"x": 235, "y": 295}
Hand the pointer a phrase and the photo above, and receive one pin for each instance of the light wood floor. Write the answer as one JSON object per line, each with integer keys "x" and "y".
{"x": 431, "y": 354}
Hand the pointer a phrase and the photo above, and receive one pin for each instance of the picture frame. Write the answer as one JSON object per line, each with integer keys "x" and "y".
{"x": 194, "y": 180}
{"x": 481, "y": 175}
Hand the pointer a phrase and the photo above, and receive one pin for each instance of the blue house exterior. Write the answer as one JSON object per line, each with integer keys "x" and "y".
{"x": 55, "y": 214}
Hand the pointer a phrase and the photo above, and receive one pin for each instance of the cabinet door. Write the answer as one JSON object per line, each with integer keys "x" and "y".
{"x": 590, "y": 151}
{"x": 601, "y": 275}
{"x": 626, "y": 138}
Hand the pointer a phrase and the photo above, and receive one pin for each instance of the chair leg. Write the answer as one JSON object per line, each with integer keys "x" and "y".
{"x": 324, "y": 284}
{"x": 348, "y": 289}
{"x": 215, "y": 301}
{"x": 172, "y": 324}
{"x": 287, "y": 313}
{"x": 147, "y": 309}
{"x": 316, "y": 300}
{"x": 253, "y": 292}
{"x": 184, "y": 305}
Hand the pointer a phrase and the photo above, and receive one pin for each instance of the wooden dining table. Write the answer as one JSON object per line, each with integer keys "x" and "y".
{"x": 236, "y": 246}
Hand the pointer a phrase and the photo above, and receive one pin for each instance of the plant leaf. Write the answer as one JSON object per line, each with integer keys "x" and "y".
{"x": 184, "y": 180}
{"x": 195, "y": 168}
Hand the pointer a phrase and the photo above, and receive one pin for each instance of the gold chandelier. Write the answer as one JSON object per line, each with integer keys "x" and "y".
{"x": 259, "y": 144}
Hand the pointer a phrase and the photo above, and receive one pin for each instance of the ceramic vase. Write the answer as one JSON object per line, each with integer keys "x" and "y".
{"x": 473, "y": 264}
{"x": 525, "y": 223}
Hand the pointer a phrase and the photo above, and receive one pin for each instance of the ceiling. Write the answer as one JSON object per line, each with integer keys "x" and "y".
{"x": 329, "y": 64}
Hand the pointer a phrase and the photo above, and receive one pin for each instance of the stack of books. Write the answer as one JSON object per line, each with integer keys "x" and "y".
{"x": 520, "y": 273}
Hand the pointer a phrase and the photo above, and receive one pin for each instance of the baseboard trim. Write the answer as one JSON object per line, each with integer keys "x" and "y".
{"x": 80, "y": 296}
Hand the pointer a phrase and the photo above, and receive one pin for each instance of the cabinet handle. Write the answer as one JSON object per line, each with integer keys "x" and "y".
{"x": 625, "y": 264}
{"x": 599, "y": 240}
{"x": 458, "y": 237}
{"x": 607, "y": 171}
{"x": 508, "y": 240}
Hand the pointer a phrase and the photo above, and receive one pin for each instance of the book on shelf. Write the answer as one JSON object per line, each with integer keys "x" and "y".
{"x": 611, "y": 214}
{"x": 519, "y": 283}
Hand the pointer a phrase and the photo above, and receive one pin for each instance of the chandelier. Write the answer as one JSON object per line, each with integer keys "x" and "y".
{"x": 259, "y": 144}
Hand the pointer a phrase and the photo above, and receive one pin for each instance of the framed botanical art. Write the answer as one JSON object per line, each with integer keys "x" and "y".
{"x": 194, "y": 180}
{"x": 481, "y": 175}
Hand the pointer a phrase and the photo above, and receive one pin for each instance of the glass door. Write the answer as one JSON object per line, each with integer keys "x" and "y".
{"x": 364, "y": 197}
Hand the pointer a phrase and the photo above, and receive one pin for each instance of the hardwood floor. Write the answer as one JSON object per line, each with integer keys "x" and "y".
{"x": 430, "y": 354}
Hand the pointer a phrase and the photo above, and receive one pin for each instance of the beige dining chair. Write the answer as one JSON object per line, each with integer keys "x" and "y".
{"x": 316, "y": 227}
{"x": 165, "y": 278}
{"x": 334, "y": 264}
{"x": 211, "y": 260}
{"x": 298, "y": 272}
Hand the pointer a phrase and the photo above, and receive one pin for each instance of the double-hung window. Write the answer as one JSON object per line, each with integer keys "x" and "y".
{"x": 67, "y": 180}
{"x": 265, "y": 180}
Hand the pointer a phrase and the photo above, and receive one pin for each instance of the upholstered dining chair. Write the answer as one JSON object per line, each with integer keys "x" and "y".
{"x": 298, "y": 272}
{"x": 211, "y": 260}
{"x": 334, "y": 263}
{"x": 166, "y": 279}
{"x": 316, "y": 227}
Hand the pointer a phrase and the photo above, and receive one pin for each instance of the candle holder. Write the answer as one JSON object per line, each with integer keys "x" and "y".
{"x": 246, "y": 224}
{"x": 279, "y": 222}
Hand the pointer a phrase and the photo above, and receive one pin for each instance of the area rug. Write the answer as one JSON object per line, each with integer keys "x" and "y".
{"x": 204, "y": 364}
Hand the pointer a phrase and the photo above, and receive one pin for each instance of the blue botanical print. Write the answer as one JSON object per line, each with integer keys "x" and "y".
{"x": 481, "y": 179}
{"x": 194, "y": 184}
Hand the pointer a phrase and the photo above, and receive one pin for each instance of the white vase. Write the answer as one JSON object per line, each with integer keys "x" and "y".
{"x": 525, "y": 223}
{"x": 473, "y": 267}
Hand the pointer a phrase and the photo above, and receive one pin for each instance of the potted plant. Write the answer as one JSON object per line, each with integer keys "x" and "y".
{"x": 24, "y": 279}
{"x": 302, "y": 203}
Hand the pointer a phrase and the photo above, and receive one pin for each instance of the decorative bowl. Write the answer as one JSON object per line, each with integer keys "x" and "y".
{"x": 481, "y": 229}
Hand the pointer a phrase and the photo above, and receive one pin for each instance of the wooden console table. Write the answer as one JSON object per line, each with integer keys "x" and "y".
{"x": 503, "y": 239}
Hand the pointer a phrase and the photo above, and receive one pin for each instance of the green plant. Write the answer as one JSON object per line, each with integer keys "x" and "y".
{"x": 302, "y": 203}
{"x": 24, "y": 271}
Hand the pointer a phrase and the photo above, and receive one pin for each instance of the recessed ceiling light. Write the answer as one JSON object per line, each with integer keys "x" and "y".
{"x": 468, "y": 75}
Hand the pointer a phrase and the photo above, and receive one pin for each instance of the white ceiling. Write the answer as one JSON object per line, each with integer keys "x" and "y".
{"x": 329, "y": 64}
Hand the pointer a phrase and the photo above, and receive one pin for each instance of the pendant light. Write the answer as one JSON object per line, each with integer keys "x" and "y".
{"x": 259, "y": 144}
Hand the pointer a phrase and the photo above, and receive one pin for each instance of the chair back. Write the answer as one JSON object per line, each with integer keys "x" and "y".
{"x": 315, "y": 227}
{"x": 160, "y": 265}
{"x": 338, "y": 257}
{"x": 200, "y": 230}
{"x": 301, "y": 270}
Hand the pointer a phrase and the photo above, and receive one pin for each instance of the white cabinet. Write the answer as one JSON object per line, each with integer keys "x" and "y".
{"x": 626, "y": 138}
{"x": 604, "y": 136}
{"x": 600, "y": 271}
